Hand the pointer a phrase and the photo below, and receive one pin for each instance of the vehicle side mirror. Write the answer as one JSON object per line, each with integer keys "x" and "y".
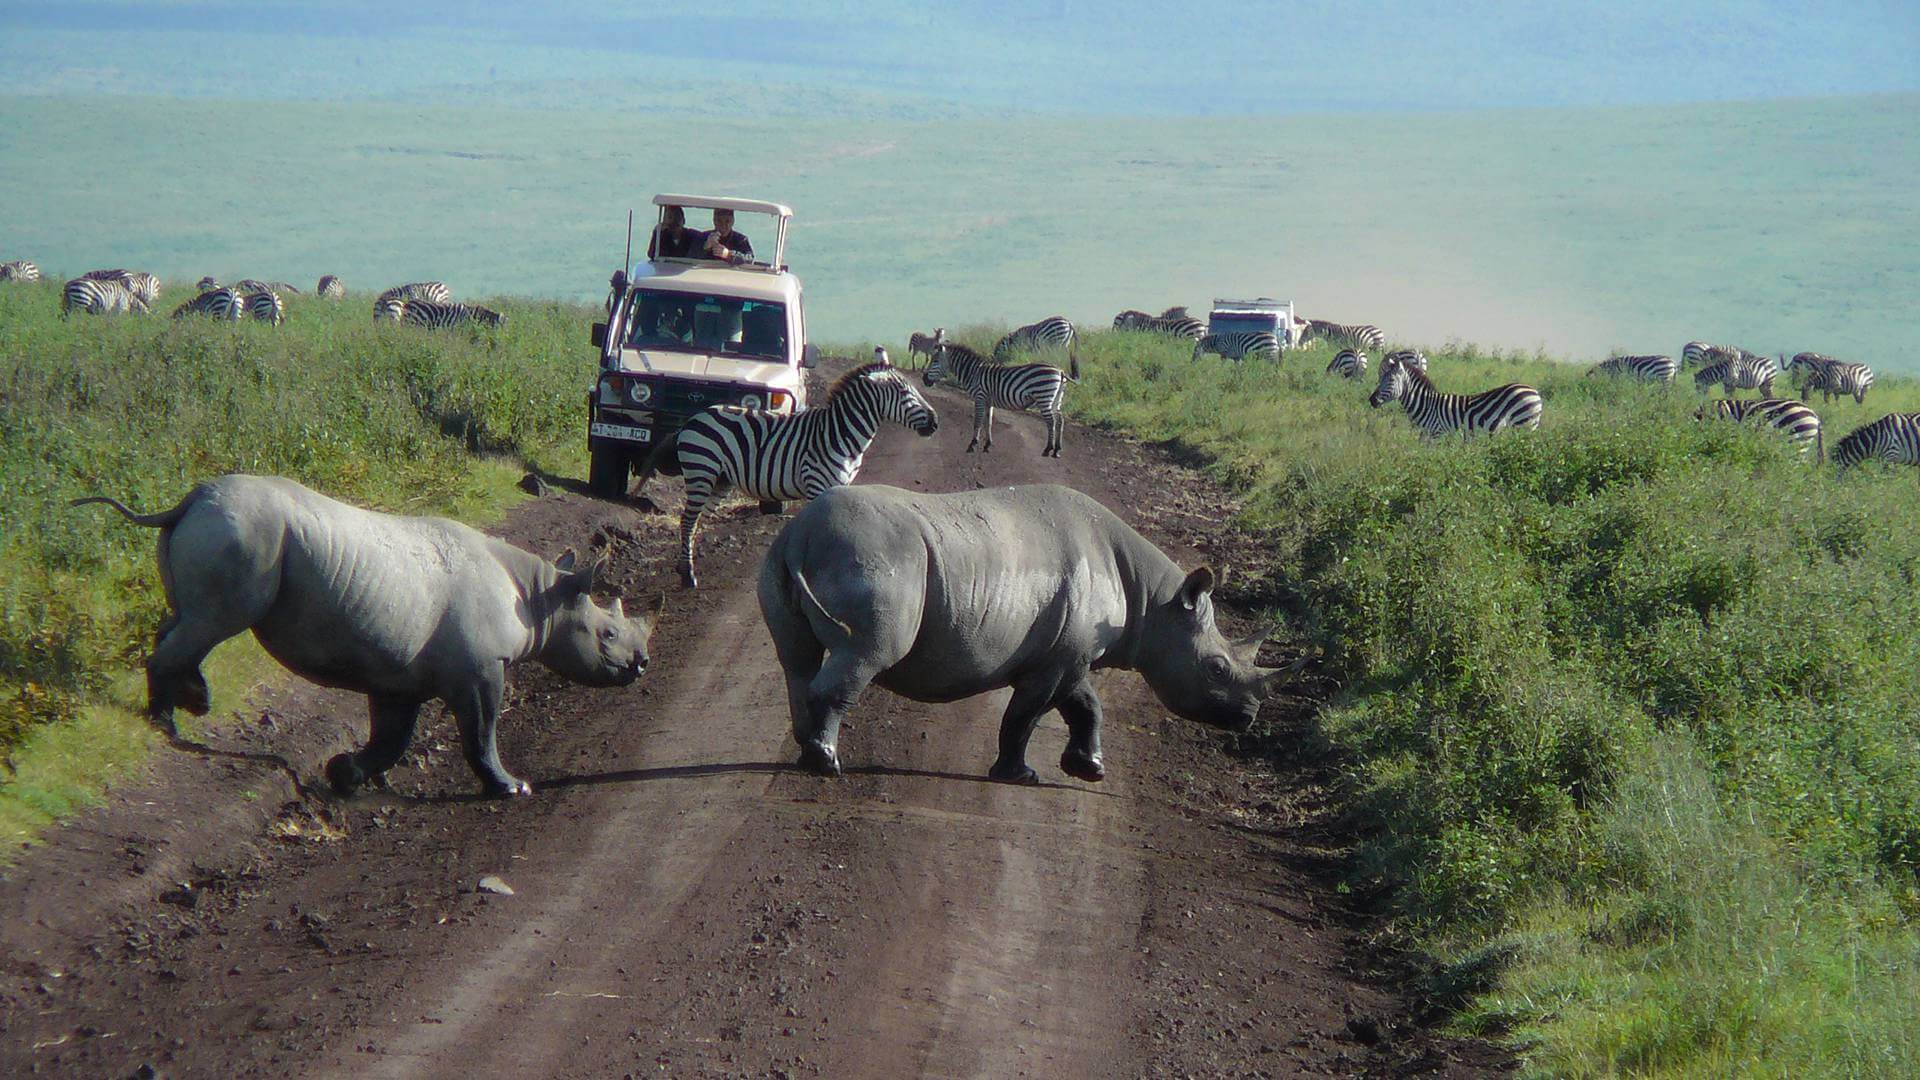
{"x": 597, "y": 335}
{"x": 810, "y": 356}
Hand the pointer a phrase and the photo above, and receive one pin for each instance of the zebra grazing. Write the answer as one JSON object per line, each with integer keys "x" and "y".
{"x": 1348, "y": 364}
{"x": 1697, "y": 353}
{"x": 97, "y": 297}
{"x": 1365, "y": 337}
{"x": 1893, "y": 439}
{"x": 1435, "y": 413}
{"x": 1831, "y": 377}
{"x": 1238, "y": 345}
{"x": 208, "y": 283}
{"x": 923, "y": 345}
{"x": 1799, "y": 422}
{"x": 265, "y": 306}
{"x": 774, "y": 458}
{"x": 389, "y": 307}
{"x": 1659, "y": 369}
{"x": 1054, "y": 331}
{"x": 434, "y": 291}
{"x": 1180, "y": 326}
{"x": 437, "y": 316}
{"x": 138, "y": 282}
{"x": 1413, "y": 358}
{"x": 220, "y": 303}
{"x": 1747, "y": 372}
{"x": 330, "y": 288}
{"x": 254, "y": 286}
{"x": 19, "y": 270}
{"x": 1035, "y": 388}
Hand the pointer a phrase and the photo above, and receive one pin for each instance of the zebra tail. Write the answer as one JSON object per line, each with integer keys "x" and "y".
{"x": 166, "y": 519}
{"x": 1820, "y": 446}
{"x": 1073, "y": 364}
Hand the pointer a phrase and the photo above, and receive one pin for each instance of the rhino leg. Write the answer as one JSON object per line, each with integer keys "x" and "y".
{"x": 1081, "y": 759}
{"x": 173, "y": 671}
{"x": 830, "y": 695}
{"x": 476, "y": 707}
{"x": 1031, "y": 700}
{"x": 389, "y": 733}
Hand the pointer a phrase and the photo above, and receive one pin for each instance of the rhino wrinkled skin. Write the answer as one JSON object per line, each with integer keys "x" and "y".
{"x": 402, "y": 609}
{"x": 941, "y": 597}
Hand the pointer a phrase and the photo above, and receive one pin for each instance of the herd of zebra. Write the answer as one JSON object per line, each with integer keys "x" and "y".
{"x": 119, "y": 291}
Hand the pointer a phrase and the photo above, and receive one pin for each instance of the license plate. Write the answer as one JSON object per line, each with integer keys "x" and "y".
{"x": 619, "y": 431}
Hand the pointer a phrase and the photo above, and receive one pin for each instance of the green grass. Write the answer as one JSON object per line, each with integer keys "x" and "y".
{"x": 1628, "y": 702}
{"x": 142, "y": 408}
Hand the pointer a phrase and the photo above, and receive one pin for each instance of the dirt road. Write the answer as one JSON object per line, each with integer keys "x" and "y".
{"x": 685, "y": 903}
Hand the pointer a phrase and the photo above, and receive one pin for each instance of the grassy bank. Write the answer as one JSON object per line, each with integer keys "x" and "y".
{"x": 142, "y": 408}
{"x": 1628, "y": 701}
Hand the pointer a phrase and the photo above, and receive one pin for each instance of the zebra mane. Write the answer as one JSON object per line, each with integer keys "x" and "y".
{"x": 1414, "y": 373}
{"x": 847, "y": 380}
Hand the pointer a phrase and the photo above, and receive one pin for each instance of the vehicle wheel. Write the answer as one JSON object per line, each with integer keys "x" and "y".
{"x": 609, "y": 472}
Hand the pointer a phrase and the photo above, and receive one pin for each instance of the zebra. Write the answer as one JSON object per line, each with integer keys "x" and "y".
{"x": 1180, "y": 326}
{"x": 1034, "y": 388}
{"x": 1178, "y": 311}
{"x": 208, "y": 283}
{"x": 1831, "y": 376}
{"x": 1697, "y": 353}
{"x": 138, "y": 282}
{"x": 1435, "y": 413}
{"x": 265, "y": 306}
{"x": 1413, "y": 358}
{"x": 219, "y": 303}
{"x": 1348, "y": 364}
{"x": 773, "y": 458}
{"x": 1238, "y": 345}
{"x": 1365, "y": 337}
{"x": 253, "y": 286}
{"x": 330, "y": 288}
{"x": 389, "y": 307}
{"x": 19, "y": 270}
{"x": 1659, "y": 369}
{"x": 922, "y": 345}
{"x": 1794, "y": 418}
{"x": 435, "y": 291}
{"x": 1748, "y": 372}
{"x": 1894, "y": 439}
{"x": 1054, "y": 331}
{"x": 98, "y": 297}
{"x": 437, "y": 316}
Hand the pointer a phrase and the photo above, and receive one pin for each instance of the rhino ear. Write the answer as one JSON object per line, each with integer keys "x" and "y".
{"x": 565, "y": 562}
{"x": 1195, "y": 588}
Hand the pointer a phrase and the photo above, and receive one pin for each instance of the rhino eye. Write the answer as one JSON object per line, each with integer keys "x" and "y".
{"x": 606, "y": 633}
{"x": 1217, "y": 666}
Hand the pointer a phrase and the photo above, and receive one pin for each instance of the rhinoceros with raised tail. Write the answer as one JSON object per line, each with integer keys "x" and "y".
{"x": 940, "y": 597}
{"x": 402, "y": 609}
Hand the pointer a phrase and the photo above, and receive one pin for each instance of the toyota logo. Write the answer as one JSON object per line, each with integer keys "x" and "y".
{"x": 696, "y": 397}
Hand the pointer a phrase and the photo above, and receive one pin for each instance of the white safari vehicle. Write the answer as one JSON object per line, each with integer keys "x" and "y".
{"x": 1264, "y": 314}
{"x": 684, "y": 334}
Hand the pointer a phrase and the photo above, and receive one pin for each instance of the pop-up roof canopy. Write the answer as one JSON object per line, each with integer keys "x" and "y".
{"x": 779, "y": 212}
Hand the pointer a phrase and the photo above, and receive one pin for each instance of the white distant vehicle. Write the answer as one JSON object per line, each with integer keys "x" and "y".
{"x": 1264, "y": 314}
{"x": 685, "y": 333}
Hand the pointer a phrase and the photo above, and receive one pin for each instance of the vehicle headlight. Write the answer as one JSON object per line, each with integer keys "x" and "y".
{"x": 750, "y": 401}
{"x": 639, "y": 393}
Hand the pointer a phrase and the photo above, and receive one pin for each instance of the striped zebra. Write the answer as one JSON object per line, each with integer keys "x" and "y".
{"x": 252, "y": 286}
{"x": 208, "y": 283}
{"x": 219, "y": 303}
{"x": 1831, "y": 377}
{"x": 1893, "y": 439}
{"x": 1054, "y": 331}
{"x": 1659, "y": 369}
{"x": 1178, "y": 311}
{"x": 1238, "y": 345}
{"x": 926, "y": 345}
{"x": 774, "y": 458}
{"x": 1365, "y": 337}
{"x": 1748, "y": 372}
{"x": 435, "y": 291}
{"x": 1793, "y": 418}
{"x": 389, "y": 307}
{"x": 138, "y": 282}
{"x": 1435, "y": 413}
{"x": 97, "y": 297}
{"x": 1180, "y": 326}
{"x": 19, "y": 270}
{"x": 1413, "y": 358}
{"x": 1036, "y": 388}
{"x": 1348, "y": 364}
{"x": 330, "y": 288}
{"x": 437, "y": 316}
{"x": 265, "y": 306}
{"x": 1699, "y": 353}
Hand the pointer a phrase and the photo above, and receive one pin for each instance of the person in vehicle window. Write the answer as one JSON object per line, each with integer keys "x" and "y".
{"x": 672, "y": 239}
{"x": 721, "y": 242}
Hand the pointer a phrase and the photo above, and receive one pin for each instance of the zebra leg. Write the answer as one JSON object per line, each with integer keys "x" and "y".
{"x": 698, "y": 496}
{"x": 1056, "y": 430}
{"x": 980, "y": 415}
{"x": 988, "y": 445}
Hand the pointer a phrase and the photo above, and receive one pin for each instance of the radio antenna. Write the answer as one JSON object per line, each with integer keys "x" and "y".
{"x": 628, "y": 261}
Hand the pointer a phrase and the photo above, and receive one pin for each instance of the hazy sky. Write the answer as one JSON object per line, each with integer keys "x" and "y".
{"x": 1116, "y": 56}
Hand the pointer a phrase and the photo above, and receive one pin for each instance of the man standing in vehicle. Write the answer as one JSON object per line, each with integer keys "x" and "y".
{"x": 672, "y": 239}
{"x": 721, "y": 242}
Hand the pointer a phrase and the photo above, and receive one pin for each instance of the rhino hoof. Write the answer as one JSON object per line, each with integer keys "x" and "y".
{"x": 823, "y": 760}
{"x": 343, "y": 775}
{"x": 1082, "y": 767}
{"x": 506, "y": 788}
{"x": 1013, "y": 774}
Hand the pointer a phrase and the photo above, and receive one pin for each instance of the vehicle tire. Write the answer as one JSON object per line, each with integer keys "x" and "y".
{"x": 609, "y": 472}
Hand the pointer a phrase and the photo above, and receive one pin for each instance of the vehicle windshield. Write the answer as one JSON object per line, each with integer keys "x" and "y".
{"x": 1228, "y": 322}
{"x": 692, "y": 322}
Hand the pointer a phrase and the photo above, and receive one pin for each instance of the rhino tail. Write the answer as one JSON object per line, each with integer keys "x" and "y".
{"x": 165, "y": 519}
{"x": 815, "y": 612}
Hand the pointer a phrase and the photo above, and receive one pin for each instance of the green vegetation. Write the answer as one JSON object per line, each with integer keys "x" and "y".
{"x": 143, "y": 408}
{"x": 1628, "y": 707}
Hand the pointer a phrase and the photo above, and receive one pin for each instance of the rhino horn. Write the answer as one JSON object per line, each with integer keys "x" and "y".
{"x": 619, "y": 609}
{"x": 1247, "y": 647}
